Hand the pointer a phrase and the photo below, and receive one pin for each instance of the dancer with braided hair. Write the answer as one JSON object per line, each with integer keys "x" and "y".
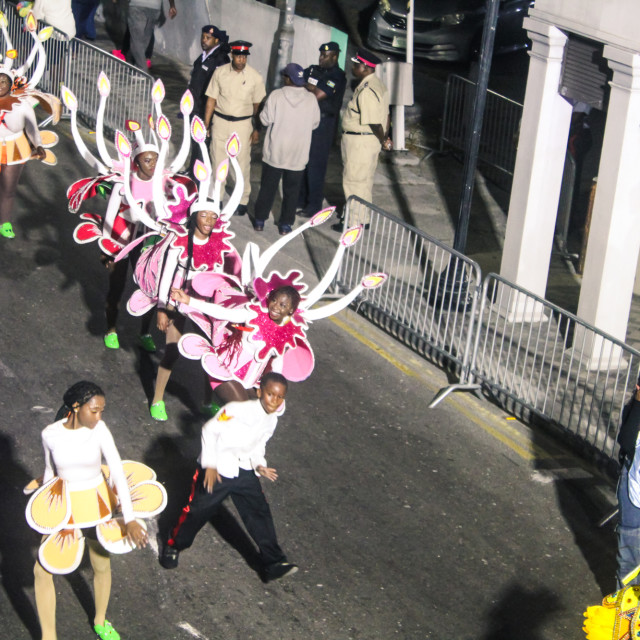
{"x": 78, "y": 499}
{"x": 204, "y": 247}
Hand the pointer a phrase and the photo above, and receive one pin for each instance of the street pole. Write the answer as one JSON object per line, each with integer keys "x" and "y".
{"x": 397, "y": 110}
{"x": 285, "y": 41}
{"x": 472, "y": 143}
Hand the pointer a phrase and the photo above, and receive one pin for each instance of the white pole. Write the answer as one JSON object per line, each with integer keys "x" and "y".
{"x": 397, "y": 111}
{"x": 410, "y": 14}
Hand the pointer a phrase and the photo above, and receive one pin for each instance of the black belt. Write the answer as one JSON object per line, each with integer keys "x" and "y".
{"x": 358, "y": 133}
{"x": 231, "y": 118}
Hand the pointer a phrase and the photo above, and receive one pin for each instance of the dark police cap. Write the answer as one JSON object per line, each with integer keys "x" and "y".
{"x": 212, "y": 30}
{"x": 367, "y": 58}
{"x": 330, "y": 46}
{"x": 240, "y": 47}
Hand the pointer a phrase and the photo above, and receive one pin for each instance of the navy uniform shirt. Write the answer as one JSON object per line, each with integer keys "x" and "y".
{"x": 201, "y": 76}
{"x": 333, "y": 82}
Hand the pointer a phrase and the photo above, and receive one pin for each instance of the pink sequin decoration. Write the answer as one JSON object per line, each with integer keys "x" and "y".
{"x": 183, "y": 197}
{"x": 274, "y": 338}
{"x": 207, "y": 256}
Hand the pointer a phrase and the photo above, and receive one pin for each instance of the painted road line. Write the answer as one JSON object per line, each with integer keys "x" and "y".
{"x": 491, "y": 424}
{"x": 185, "y": 626}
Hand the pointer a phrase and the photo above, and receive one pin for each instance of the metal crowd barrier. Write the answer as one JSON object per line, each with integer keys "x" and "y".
{"x": 429, "y": 301}
{"x": 552, "y": 364}
{"x": 500, "y": 129}
{"x": 532, "y": 357}
{"x": 77, "y": 64}
{"x": 130, "y": 97}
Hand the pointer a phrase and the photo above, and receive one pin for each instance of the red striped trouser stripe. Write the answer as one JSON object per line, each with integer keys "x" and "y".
{"x": 185, "y": 510}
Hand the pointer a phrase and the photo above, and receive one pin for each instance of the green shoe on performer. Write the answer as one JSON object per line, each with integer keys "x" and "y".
{"x": 111, "y": 340}
{"x": 146, "y": 343}
{"x": 210, "y": 410}
{"x": 158, "y": 411}
{"x": 106, "y": 631}
{"x": 6, "y": 230}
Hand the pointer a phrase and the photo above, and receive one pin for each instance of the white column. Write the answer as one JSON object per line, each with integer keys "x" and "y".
{"x": 614, "y": 238}
{"x": 538, "y": 172}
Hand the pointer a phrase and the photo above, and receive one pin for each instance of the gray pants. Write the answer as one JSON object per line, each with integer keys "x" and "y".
{"x": 141, "y": 23}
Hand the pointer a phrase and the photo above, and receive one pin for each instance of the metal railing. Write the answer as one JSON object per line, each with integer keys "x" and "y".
{"x": 532, "y": 357}
{"x": 130, "y": 97}
{"x": 531, "y": 354}
{"x": 77, "y": 64}
{"x": 500, "y": 129}
{"x": 429, "y": 301}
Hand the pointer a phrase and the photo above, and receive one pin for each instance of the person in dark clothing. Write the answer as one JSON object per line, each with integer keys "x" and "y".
{"x": 328, "y": 82}
{"x": 628, "y": 528}
{"x": 215, "y": 53}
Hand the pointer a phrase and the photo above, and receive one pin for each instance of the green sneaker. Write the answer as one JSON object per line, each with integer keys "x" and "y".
{"x": 210, "y": 410}
{"x": 146, "y": 343}
{"x": 111, "y": 340}
{"x": 6, "y": 230}
{"x": 158, "y": 411}
{"x": 106, "y": 631}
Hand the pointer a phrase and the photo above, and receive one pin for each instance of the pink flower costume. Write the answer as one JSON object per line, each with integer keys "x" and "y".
{"x": 245, "y": 342}
{"x": 121, "y": 222}
{"x": 167, "y": 265}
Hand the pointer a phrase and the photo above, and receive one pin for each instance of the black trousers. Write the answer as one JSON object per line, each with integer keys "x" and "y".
{"x": 269, "y": 185}
{"x": 248, "y": 498}
{"x": 312, "y": 188}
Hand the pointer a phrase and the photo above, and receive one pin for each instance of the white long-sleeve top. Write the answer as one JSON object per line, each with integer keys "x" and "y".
{"x": 75, "y": 456}
{"x": 20, "y": 117}
{"x": 236, "y": 438}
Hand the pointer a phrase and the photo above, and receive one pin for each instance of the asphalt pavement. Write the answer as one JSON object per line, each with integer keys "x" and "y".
{"x": 406, "y": 522}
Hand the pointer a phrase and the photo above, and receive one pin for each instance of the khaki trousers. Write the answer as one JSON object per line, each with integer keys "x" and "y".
{"x": 221, "y": 131}
{"x": 359, "y": 159}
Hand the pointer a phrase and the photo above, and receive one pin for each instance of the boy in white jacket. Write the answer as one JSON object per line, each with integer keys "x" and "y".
{"x": 230, "y": 464}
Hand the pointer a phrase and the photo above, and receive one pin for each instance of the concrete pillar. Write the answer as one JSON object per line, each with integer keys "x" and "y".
{"x": 538, "y": 172}
{"x": 614, "y": 238}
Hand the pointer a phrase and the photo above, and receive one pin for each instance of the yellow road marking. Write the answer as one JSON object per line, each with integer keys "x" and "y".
{"x": 529, "y": 451}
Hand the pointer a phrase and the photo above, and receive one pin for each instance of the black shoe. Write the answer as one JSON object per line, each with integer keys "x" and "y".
{"x": 169, "y": 557}
{"x": 302, "y": 213}
{"x": 338, "y": 226}
{"x": 241, "y": 210}
{"x": 279, "y": 570}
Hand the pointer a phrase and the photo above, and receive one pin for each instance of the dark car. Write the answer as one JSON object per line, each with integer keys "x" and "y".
{"x": 446, "y": 30}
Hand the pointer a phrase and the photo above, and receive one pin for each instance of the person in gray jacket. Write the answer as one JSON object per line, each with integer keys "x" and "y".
{"x": 290, "y": 115}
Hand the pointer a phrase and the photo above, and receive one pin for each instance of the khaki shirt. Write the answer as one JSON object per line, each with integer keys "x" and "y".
{"x": 236, "y": 92}
{"x": 369, "y": 105}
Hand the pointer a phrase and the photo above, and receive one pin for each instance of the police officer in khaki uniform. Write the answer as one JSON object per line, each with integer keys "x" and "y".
{"x": 365, "y": 125}
{"x": 233, "y": 98}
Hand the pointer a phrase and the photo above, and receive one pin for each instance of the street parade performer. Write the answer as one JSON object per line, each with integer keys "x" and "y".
{"x": 203, "y": 246}
{"x": 20, "y": 138}
{"x": 263, "y": 325}
{"x": 78, "y": 498}
{"x": 121, "y": 224}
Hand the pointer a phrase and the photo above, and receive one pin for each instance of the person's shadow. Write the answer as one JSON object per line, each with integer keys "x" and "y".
{"x": 521, "y": 613}
{"x": 17, "y": 539}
